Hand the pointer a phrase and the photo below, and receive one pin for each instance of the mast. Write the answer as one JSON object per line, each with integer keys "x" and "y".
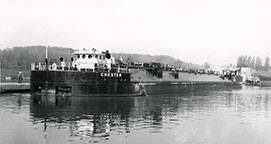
{"x": 46, "y": 58}
{"x": 46, "y": 68}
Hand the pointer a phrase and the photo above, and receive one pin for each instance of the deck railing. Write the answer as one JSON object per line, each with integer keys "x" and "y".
{"x": 114, "y": 68}
{"x": 42, "y": 67}
{"x": 68, "y": 67}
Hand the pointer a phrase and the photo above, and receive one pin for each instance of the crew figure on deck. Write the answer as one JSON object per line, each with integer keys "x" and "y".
{"x": 20, "y": 76}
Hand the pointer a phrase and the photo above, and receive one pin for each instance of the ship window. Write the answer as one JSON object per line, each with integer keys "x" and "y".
{"x": 96, "y": 56}
{"x": 100, "y": 57}
{"x": 84, "y": 56}
{"x": 78, "y": 56}
{"x": 90, "y": 56}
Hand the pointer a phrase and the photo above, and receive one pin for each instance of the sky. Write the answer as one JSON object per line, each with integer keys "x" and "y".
{"x": 198, "y": 31}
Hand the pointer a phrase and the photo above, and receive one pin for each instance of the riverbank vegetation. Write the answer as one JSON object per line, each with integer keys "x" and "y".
{"x": 20, "y": 58}
{"x": 262, "y": 69}
{"x": 253, "y": 62}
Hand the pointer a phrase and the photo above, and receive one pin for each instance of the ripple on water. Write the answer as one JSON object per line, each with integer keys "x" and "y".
{"x": 210, "y": 117}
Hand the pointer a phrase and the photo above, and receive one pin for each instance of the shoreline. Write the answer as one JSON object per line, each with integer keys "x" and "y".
{"x": 14, "y": 87}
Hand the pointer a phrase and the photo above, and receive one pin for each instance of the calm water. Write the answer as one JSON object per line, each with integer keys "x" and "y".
{"x": 211, "y": 117}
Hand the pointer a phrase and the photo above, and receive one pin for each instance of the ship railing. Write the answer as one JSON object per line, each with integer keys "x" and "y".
{"x": 68, "y": 67}
{"x": 43, "y": 67}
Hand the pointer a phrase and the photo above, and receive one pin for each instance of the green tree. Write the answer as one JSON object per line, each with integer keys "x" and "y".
{"x": 258, "y": 63}
{"x": 252, "y": 63}
{"x": 242, "y": 61}
{"x": 266, "y": 63}
{"x": 248, "y": 61}
{"x": 206, "y": 65}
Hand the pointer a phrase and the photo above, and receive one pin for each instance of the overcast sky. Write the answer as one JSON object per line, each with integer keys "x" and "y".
{"x": 214, "y": 31}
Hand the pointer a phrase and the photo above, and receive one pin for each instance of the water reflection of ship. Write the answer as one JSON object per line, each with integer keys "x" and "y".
{"x": 98, "y": 116}
{"x": 94, "y": 117}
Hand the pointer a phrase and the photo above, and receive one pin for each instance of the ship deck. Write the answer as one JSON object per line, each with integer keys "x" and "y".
{"x": 141, "y": 75}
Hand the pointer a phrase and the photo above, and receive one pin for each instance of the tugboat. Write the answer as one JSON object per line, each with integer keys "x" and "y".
{"x": 93, "y": 74}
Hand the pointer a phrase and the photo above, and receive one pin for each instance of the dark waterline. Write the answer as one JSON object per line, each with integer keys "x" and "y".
{"x": 224, "y": 116}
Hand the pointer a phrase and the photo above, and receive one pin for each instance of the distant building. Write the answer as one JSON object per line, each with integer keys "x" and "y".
{"x": 246, "y": 73}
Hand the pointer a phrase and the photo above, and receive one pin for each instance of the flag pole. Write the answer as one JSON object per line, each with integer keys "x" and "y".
{"x": 46, "y": 58}
{"x": 46, "y": 68}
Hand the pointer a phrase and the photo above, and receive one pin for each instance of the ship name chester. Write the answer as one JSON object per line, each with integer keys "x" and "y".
{"x": 111, "y": 74}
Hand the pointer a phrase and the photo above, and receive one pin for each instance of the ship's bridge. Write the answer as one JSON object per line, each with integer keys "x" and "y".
{"x": 83, "y": 60}
{"x": 89, "y": 60}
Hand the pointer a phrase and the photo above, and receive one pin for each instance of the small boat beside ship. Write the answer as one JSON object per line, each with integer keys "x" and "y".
{"x": 248, "y": 77}
{"x": 252, "y": 81}
{"x": 90, "y": 73}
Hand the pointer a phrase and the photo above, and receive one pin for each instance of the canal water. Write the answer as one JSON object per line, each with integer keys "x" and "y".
{"x": 199, "y": 117}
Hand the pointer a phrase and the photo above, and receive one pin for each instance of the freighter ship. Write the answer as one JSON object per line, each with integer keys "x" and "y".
{"x": 93, "y": 74}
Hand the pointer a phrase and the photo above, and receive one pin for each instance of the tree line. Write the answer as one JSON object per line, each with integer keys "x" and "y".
{"x": 253, "y": 62}
{"x": 21, "y": 57}
{"x": 17, "y": 58}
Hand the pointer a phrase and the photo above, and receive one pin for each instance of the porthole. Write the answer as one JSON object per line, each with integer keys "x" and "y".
{"x": 90, "y": 56}
{"x": 84, "y": 56}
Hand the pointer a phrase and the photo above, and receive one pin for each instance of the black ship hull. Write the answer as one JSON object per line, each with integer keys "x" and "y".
{"x": 102, "y": 84}
{"x": 78, "y": 83}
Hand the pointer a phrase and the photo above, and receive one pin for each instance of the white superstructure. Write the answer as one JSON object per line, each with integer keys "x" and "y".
{"x": 90, "y": 60}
